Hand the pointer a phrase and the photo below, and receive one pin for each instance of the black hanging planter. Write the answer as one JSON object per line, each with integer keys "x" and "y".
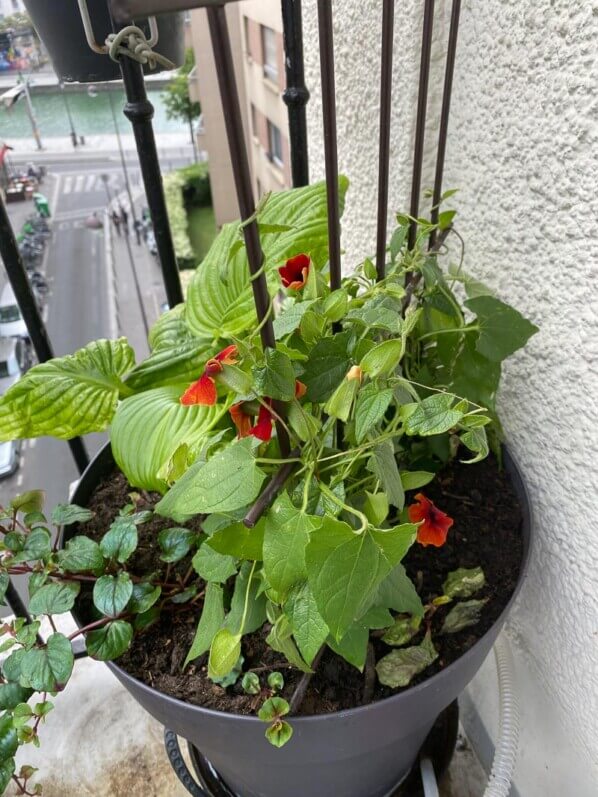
{"x": 59, "y": 25}
{"x": 362, "y": 752}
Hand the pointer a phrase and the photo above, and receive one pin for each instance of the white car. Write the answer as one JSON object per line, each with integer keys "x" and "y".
{"x": 10, "y": 453}
{"x": 11, "y": 321}
{"x": 10, "y": 362}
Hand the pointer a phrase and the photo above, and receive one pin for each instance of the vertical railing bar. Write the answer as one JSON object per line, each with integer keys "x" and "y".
{"x": 444, "y": 113}
{"x": 420, "y": 128}
{"x": 388, "y": 9}
{"x": 38, "y": 335}
{"x": 240, "y": 166}
{"x": 330, "y": 142}
{"x": 295, "y": 94}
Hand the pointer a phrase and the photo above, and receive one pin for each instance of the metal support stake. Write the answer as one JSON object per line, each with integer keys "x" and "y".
{"x": 295, "y": 94}
{"x": 139, "y": 111}
{"x": 388, "y": 12}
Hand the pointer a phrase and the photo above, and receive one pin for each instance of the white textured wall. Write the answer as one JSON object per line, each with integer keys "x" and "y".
{"x": 523, "y": 150}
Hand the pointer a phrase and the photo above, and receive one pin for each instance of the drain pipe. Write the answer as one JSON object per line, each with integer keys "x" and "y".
{"x": 505, "y": 754}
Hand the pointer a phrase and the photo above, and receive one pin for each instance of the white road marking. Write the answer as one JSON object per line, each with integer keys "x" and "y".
{"x": 20, "y": 480}
{"x": 91, "y": 183}
{"x": 32, "y": 442}
{"x": 79, "y": 180}
{"x": 68, "y": 185}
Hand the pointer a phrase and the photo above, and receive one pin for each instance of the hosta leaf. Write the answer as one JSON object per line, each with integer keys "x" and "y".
{"x": 229, "y": 480}
{"x": 210, "y": 622}
{"x": 68, "y": 396}
{"x": 178, "y": 364}
{"x": 503, "y": 329}
{"x": 215, "y": 309}
{"x": 170, "y": 330}
{"x": 149, "y": 427}
{"x": 399, "y": 667}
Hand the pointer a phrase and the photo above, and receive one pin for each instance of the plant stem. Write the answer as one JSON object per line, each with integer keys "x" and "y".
{"x": 460, "y": 330}
{"x": 370, "y": 676}
{"x": 301, "y": 689}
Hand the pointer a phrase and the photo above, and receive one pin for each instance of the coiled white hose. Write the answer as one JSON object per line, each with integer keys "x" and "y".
{"x": 505, "y": 755}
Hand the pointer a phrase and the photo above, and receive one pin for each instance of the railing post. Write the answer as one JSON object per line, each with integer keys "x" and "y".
{"x": 295, "y": 94}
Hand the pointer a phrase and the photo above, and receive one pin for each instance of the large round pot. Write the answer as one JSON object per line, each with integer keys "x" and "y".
{"x": 59, "y": 25}
{"x": 363, "y": 752}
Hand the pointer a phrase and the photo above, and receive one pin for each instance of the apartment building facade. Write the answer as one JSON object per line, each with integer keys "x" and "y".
{"x": 256, "y": 36}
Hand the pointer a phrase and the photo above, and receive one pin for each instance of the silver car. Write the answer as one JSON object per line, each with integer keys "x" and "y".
{"x": 10, "y": 454}
{"x": 10, "y": 362}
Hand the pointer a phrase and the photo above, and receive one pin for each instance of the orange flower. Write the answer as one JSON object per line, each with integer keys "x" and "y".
{"x": 300, "y": 389}
{"x": 436, "y": 524}
{"x": 243, "y": 421}
{"x": 203, "y": 391}
{"x": 295, "y": 271}
{"x": 263, "y": 428}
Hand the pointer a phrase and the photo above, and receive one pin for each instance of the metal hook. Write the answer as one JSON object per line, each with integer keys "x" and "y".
{"x": 103, "y": 49}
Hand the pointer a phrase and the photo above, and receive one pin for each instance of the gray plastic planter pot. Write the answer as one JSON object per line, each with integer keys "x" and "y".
{"x": 363, "y": 752}
{"x": 59, "y": 25}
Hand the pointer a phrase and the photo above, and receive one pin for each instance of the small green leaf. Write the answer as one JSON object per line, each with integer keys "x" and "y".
{"x": 403, "y": 630}
{"x": 503, "y": 330}
{"x": 11, "y": 694}
{"x": 7, "y": 770}
{"x": 81, "y": 554}
{"x": 370, "y": 408}
{"x": 397, "y": 592}
{"x": 112, "y": 593}
{"x": 384, "y": 465}
{"x": 309, "y": 629}
{"x": 335, "y": 305}
{"x": 399, "y": 667}
{"x": 253, "y": 594}
{"x": 210, "y": 622}
{"x": 224, "y": 653}
{"x": 4, "y": 582}
{"x": 280, "y": 639}
{"x": 383, "y": 358}
{"x": 434, "y": 415}
{"x": 48, "y": 669}
{"x": 276, "y": 379}
{"x": 65, "y": 514}
{"x": 144, "y": 596}
{"x": 353, "y": 646}
{"x": 414, "y": 479}
{"x": 289, "y": 320}
{"x": 464, "y": 582}
{"x": 462, "y": 615}
{"x": 276, "y": 681}
{"x": 376, "y": 507}
{"x": 55, "y": 598}
{"x": 175, "y": 543}
{"x": 251, "y": 684}
{"x": 110, "y": 641}
{"x": 274, "y": 708}
{"x": 120, "y": 540}
{"x": 8, "y": 737}
{"x": 326, "y": 366}
{"x": 239, "y": 541}
{"x": 341, "y": 401}
{"x": 38, "y": 544}
{"x": 27, "y": 634}
{"x": 213, "y": 566}
{"x": 31, "y": 501}
{"x": 279, "y": 733}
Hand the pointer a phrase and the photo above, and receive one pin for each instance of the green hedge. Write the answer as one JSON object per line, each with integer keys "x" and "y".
{"x": 196, "y": 191}
{"x": 174, "y": 184}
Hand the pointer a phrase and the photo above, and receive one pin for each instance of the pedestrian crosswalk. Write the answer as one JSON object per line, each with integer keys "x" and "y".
{"x": 91, "y": 183}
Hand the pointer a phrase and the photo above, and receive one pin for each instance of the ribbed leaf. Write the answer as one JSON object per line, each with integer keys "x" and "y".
{"x": 68, "y": 396}
{"x": 219, "y": 310}
{"x": 165, "y": 366}
{"x": 149, "y": 427}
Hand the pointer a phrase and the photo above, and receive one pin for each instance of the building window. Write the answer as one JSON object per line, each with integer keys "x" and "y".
{"x": 15, "y": 5}
{"x": 270, "y": 53}
{"x": 259, "y": 189}
{"x": 248, "y": 53}
{"x": 274, "y": 144}
{"x": 254, "y": 130}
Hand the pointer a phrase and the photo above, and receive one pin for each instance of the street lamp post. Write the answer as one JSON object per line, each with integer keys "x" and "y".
{"x": 125, "y": 170}
{"x": 68, "y": 113}
{"x": 30, "y": 113}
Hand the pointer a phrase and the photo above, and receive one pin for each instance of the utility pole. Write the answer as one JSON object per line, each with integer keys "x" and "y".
{"x": 68, "y": 113}
{"x": 30, "y": 113}
{"x": 124, "y": 167}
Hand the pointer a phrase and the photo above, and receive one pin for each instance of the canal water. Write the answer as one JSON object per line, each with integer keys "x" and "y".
{"x": 91, "y": 115}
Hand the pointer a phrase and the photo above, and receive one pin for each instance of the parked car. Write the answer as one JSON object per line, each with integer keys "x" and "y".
{"x": 11, "y": 321}
{"x": 10, "y": 455}
{"x": 11, "y": 360}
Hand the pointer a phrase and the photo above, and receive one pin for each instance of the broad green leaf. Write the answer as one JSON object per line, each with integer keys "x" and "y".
{"x": 413, "y": 479}
{"x": 376, "y": 507}
{"x": 11, "y": 666}
{"x": 48, "y": 669}
{"x": 276, "y": 379}
{"x": 55, "y": 598}
{"x": 68, "y": 396}
{"x": 170, "y": 329}
{"x": 280, "y": 639}
{"x": 380, "y": 312}
{"x": 143, "y": 597}
{"x": 341, "y": 401}
{"x": 399, "y": 667}
{"x": 279, "y": 733}
{"x": 8, "y": 737}
{"x": 503, "y": 329}
{"x": 149, "y": 427}
{"x": 394, "y": 542}
{"x": 273, "y": 709}
{"x": 256, "y": 602}
{"x": 81, "y": 554}
{"x": 175, "y": 543}
{"x": 239, "y": 541}
{"x": 285, "y": 538}
{"x": 31, "y": 501}
{"x": 434, "y": 415}
{"x": 462, "y": 615}
{"x": 7, "y": 770}
{"x": 370, "y": 408}
{"x": 177, "y": 364}
{"x": 215, "y": 309}
{"x": 120, "y": 540}
{"x": 309, "y": 629}
{"x": 402, "y": 631}
{"x": 397, "y": 592}
{"x": 289, "y": 319}
{"x": 473, "y": 287}
{"x": 38, "y": 545}
{"x": 353, "y": 647}
{"x": 473, "y": 376}
{"x": 112, "y": 593}
{"x": 213, "y": 566}
{"x": 65, "y": 514}
{"x": 464, "y": 582}
{"x": 384, "y": 466}
{"x": 210, "y": 622}
{"x": 303, "y": 423}
{"x": 230, "y": 479}
{"x": 383, "y": 358}
{"x": 476, "y": 440}
{"x": 224, "y": 653}
{"x": 110, "y": 641}
{"x": 326, "y": 366}
{"x": 377, "y": 617}
{"x": 11, "y": 694}
{"x": 335, "y": 305}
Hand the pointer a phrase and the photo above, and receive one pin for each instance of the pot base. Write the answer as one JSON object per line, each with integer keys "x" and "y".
{"x": 439, "y": 747}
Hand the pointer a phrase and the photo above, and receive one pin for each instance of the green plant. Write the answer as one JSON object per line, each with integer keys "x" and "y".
{"x": 174, "y": 184}
{"x": 378, "y": 385}
{"x": 176, "y": 99}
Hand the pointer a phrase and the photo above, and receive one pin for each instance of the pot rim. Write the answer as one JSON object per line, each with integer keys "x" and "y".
{"x": 435, "y": 680}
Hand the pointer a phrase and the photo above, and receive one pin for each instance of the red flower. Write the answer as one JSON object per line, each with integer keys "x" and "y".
{"x": 294, "y": 272}
{"x": 435, "y": 526}
{"x": 300, "y": 389}
{"x": 243, "y": 421}
{"x": 204, "y": 390}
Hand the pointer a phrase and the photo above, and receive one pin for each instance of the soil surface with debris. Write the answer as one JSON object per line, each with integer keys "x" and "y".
{"x": 487, "y": 532}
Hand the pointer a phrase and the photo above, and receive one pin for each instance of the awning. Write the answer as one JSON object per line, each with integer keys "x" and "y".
{"x": 10, "y": 97}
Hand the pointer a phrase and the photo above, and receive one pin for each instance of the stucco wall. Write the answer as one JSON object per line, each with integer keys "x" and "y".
{"x": 523, "y": 150}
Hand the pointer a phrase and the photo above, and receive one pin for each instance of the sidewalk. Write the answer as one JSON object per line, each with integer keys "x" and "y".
{"x": 25, "y": 149}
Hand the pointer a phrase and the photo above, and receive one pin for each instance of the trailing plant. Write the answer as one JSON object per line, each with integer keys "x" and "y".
{"x": 377, "y": 386}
